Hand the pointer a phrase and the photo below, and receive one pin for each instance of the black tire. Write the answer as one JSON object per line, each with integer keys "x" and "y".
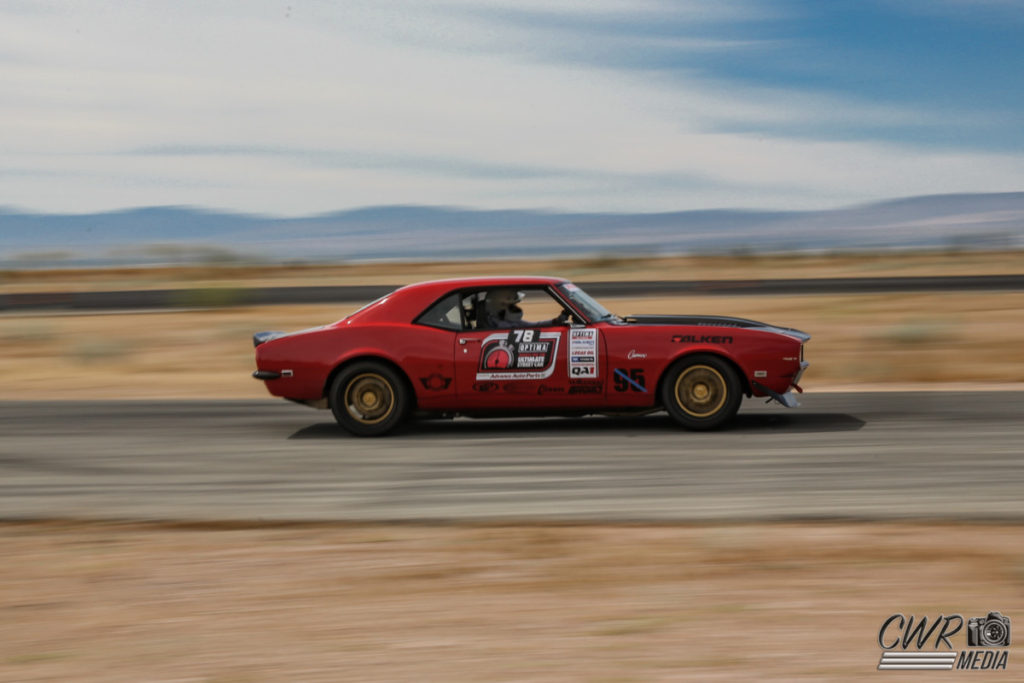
{"x": 369, "y": 398}
{"x": 701, "y": 392}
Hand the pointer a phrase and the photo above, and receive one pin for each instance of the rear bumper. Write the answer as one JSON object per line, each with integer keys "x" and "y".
{"x": 271, "y": 374}
{"x": 266, "y": 374}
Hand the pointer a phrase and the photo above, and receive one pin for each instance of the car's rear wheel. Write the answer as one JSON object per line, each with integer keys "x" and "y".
{"x": 369, "y": 398}
{"x": 701, "y": 392}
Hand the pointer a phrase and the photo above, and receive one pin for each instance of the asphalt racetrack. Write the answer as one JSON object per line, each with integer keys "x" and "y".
{"x": 883, "y": 455}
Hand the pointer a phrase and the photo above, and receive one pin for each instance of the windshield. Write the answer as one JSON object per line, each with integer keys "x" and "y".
{"x": 585, "y": 303}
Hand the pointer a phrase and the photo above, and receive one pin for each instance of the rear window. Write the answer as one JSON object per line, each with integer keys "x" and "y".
{"x": 445, "y": 314}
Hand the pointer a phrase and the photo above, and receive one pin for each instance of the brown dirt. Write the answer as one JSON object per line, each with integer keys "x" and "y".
{"x": 130, "y": 602}
{"x": 858, "y": 341}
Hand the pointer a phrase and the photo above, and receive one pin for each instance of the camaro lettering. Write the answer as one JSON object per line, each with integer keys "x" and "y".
{"x": 701, "y": 339}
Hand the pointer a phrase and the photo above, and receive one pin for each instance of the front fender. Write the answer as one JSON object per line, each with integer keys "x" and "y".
{"x": 733, "y": 359}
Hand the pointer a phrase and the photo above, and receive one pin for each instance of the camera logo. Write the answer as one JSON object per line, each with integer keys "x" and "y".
{"x": 911, "y": 642}
{"x": 990, "y": 631}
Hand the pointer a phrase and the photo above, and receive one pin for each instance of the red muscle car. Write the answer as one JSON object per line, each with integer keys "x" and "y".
{"x": 468, "y": 347}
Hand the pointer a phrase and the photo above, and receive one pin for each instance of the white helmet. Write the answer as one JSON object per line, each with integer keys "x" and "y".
{"x": 503, "y": 300}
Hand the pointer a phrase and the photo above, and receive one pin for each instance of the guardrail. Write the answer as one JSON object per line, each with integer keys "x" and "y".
{"x": 228, "y": 296}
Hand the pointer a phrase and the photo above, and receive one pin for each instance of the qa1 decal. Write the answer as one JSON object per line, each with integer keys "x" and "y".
{"x": 518, "y": 354}
{"x": 582, "y": 354}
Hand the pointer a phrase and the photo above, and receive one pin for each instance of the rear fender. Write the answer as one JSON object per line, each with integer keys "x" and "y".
{"x": 366, "y": 355}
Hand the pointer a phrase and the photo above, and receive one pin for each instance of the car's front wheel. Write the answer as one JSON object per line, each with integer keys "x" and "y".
{"x": 369, "y": 398}
{"x": 701, "y": 392}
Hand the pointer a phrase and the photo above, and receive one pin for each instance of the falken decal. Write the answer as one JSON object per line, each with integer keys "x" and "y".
{"x": 518, "y": 354}
{"x": 583, "y": 354}
{"x": 701, "y": 339}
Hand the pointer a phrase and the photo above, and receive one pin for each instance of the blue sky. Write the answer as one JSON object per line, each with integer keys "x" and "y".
{"x": 304, "y": 107}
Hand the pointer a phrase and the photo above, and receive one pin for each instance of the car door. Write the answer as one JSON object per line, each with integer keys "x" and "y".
{"x": 528, "y": 365}
{"x": 518, "y": 367}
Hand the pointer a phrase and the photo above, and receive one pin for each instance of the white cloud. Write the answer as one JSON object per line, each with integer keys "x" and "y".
{"x": 380, "y": 103}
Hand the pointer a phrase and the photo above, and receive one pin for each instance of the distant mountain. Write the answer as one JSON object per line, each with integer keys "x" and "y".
{"x": 402, "y": 232}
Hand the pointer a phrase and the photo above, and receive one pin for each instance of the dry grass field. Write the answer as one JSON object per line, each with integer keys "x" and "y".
{"x": 600, "y": 268}
{"x": 133, "y": 602}
{"x": 859, "y": 341}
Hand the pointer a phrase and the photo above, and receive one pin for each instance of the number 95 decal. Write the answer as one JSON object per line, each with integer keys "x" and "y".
{"x": 630, "y": 380}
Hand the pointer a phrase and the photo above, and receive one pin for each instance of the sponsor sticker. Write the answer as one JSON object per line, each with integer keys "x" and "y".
{"x": 701, "y": 339}
{"x": 582, "y": 353}
{"x": 435, "y": 382}
{"x": 521, "y": 354}
{"x": 630, "y": 379}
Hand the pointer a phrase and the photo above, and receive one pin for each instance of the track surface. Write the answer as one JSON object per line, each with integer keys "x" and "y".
{"x": 875, "y": 456}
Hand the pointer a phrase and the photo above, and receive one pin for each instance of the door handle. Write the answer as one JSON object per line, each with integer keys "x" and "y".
{"x": 467, "y": 340}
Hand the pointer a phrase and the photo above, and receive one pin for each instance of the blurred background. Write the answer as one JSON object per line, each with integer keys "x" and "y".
{"x": 175, "y": 177}
{"x": 365, "y": 144}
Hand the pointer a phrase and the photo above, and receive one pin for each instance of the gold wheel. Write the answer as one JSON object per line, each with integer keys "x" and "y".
{"x": 701, "y": 391}
{"x": 369, "y": 398}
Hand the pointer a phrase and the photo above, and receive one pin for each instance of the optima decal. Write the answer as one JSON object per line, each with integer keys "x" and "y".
{"x": 518, "y": 354}
{"x": 701, "y": 339}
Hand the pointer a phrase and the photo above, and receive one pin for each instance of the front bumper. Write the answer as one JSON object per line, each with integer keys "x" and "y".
{"x": 787, "y": 399}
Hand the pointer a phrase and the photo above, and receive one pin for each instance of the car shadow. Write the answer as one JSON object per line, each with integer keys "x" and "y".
{"x": 774, "y": 423}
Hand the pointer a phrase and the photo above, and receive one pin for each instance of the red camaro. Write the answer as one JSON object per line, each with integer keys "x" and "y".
{"x": 525, "y": 346}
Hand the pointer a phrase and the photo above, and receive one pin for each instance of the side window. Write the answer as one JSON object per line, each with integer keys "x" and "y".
{"x": 503, "y": 307}
{"x": 446, "y": 314}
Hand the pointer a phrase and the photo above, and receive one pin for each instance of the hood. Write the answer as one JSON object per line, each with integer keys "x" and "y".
{"x": 714, "y": 321}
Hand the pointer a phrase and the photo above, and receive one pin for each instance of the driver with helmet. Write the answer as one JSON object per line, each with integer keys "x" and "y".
{"x": 501, "y": 311}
